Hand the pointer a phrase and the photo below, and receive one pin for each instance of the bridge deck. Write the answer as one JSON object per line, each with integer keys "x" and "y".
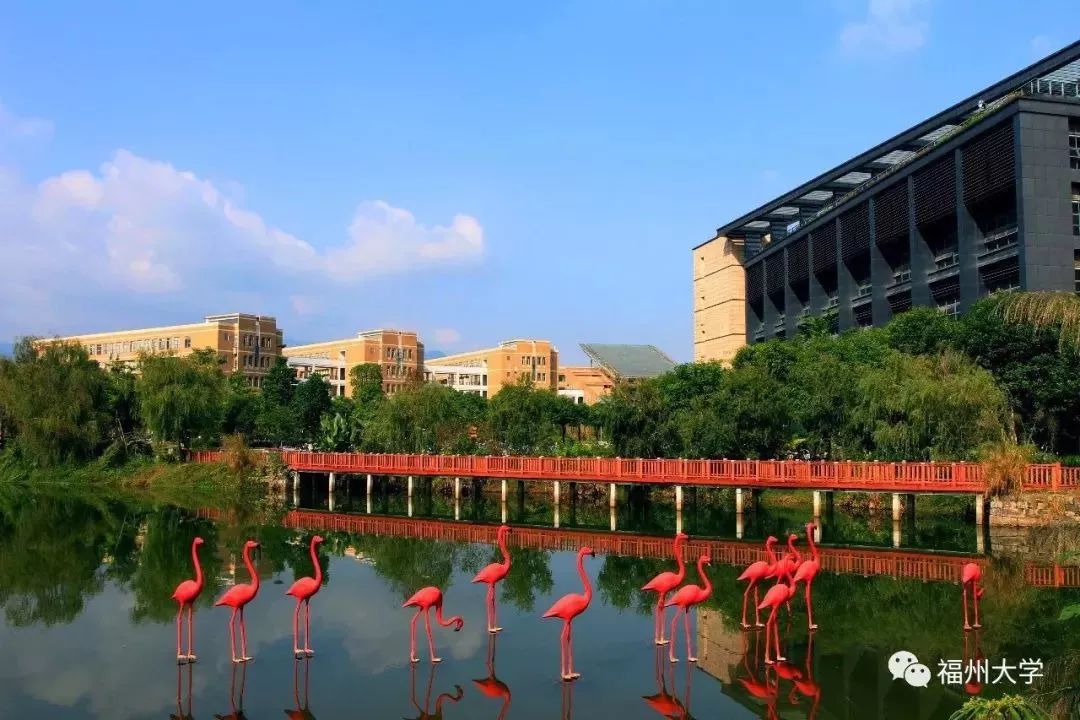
{"x": 921, "y": 477}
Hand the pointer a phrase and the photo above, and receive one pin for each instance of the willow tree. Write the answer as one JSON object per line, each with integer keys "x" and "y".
{"x": 181, "y": 398}
{"x": 1059, "y": 310}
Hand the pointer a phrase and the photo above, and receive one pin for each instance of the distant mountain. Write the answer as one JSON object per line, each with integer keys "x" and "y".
{"x": 433, "y": 354}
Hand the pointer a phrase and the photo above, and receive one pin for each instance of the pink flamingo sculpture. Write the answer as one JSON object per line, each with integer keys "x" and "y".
{"x": 778, "y": 594}
{"x": 971, "y": 575}
{"x": 567, "y": 608}
{"x": 664, "y": 583}
{"x": 492, "y": 686}
{"x": 806, "y": 572}
{"x": 237, "y": 598}
{"x": 303, "y": 590}
{"x": 687, "y": 597}
{"x": 491, "y": 575}
{"x": 185, "y": 595}
{"x": 423, "y": 600}
{"x": 754, "y": 574}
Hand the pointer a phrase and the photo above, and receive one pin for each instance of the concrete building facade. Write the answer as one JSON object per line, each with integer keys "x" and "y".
{"x": 399, "y": 353}
{"x": 981, "y": 198}
{"x": 249, "y": 344}
{"x": 487, "y": 371}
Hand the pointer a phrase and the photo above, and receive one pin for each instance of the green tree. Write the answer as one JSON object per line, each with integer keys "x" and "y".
{"x": 180, "y": 398}
{"x": 57, "y": 401}
{"x": 367, "y": 383}
{"x": 424, "y": 419}
{"x": 240, "y": 411}
{"x": 280, "y": 383}
{"x": 338, "y": 429}
{"x": 922, "y": 331}
{"x": 310, "y": 402}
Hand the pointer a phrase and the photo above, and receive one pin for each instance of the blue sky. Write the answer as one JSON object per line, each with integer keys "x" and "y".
{"x": 476, "y": 171}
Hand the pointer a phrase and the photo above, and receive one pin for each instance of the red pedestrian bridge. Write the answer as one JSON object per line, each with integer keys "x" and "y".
{"x": 925, "y": 566}
{"x": 905, "y": 477}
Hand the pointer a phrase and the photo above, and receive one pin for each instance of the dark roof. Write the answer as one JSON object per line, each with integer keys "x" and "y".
{"x": 1062, "y": 68}
{"x": 629, "y": 362}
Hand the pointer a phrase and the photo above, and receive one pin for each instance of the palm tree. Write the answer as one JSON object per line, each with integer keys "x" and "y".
{"x": 1059, "y": 310}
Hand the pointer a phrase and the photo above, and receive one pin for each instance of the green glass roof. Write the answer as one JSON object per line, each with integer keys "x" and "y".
{"x": 629, "y": 362}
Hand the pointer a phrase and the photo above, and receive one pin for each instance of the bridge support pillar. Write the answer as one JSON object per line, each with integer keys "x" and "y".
{"x": 330, "y": 504}
{"x": 332, "y": 481}
{"x": 739, "y": 526}
{"x": 410, "y": 505}
{"x": 611, "y": 517}
{"x": 457, "y": 489}
{"x": 896, "y": 507}
{"x": 817, "y": 504}
{"x": 296, "y": 489}
{"x": 740, "y": 503}
{"x": 980, "y": 509}
{"x": 896, "y": 533}
{"x": 504, "y": 513}
{"x": 555, "y": 492}
{"x": 409, "y": 488}
{"x": 678, "y": 498}
{"x": 505, "y": 493}
{"x": 457, "y": 507}
{"x": 612, "y": 500}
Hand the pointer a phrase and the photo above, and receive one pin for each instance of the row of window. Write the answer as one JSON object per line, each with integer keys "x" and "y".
{"x": 1074, "y": 149}
{"x": 1076, "y": 209}
{"x": 402, "y": 371}
{"x": 250, "y": 361}
{"x": 394, "y": 353}
{"x": 533, "y": 360}
{"x": 127, "y": 347}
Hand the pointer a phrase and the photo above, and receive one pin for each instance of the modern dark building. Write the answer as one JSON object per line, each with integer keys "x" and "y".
{"x": 982, "y": 197}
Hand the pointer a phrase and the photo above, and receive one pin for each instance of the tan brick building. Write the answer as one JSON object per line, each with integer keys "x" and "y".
{"x": 719, "y": 300}
{"x": 487, "y": 371}
{"x": 399, "y": 353}
{"x": 584, "y": 384}
{"x": 246, "y": 343}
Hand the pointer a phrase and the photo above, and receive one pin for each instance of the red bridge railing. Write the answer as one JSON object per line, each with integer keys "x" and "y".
{"x": 926, "y": 566}
{"x": 924, "y": 477}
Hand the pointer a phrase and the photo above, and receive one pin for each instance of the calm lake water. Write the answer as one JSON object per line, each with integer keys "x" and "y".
{"x": 87, "y": 624}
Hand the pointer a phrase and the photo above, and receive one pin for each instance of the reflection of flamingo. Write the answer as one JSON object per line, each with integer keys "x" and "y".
{"x": 423, "y": 600}
{"x": 302, "y": 711}
{"x": 237, "y": 703}
{"x": 180, "y": 714}
{"x": 424, "y": 713}
{"x": 807, "y": 571}
{"x": 778, "y": 594}
{"x": 687, "y": 597}
{"x": 804, "y": 682}
{"x": 567, "y": 608}
{"x": 567, "y": 693}
{"x": 663, "y": 702}
{"x": 492, "y": 686}
{"x": 185, "y": 595}
{"x": 237, "y": 597}
{"x": 971, "y": 575}
{"x": 664, "y": 583}
{"x": 303, "y": 590}
{"x": 971, "y": 663}
{"x": 492, "y": 574}
{"x": 755, "y": 573}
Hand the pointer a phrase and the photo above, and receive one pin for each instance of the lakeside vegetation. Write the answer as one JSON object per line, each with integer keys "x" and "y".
{"x": 1002, "y": 379}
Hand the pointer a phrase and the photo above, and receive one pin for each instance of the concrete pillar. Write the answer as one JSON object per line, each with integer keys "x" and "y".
{"x": 678, "y": 518}
{"x": 556, "y": 522}
{"x": 504, "y": 512}
{"x": 611, "y": 517}
{"x": 332, "y": 482}
{"x": 896, "y": 534}
{"x": 296, "y": 490}
{"x": 555, "y": 493}
{"x": 504, "y": 496}
{"x": 611, "y": 499}
{"x": 678, "y": 500}
{"x": 817, "y": 530}
{"x": 410, "y": 507}
{"x": 739, "y": 526}
{"x": 330, "y": 504}
{"x": 896, "y": 515}
{"x": 457, "y": 489}
{"x": 817, "y": 503}
{"x": 739, "y": 501}
{"x": 370, "y": 484}
{"x": 980, "y": 539}
{"x": 457, "y": 507}
{"x": 980, "y": 508}
{"x": 368, "y": 504}
{"x": 409, "y": 488}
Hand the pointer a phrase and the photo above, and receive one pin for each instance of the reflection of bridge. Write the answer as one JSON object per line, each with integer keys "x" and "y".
{"x": 926, "y": 566}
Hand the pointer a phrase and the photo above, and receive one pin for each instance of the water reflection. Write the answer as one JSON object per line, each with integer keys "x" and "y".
{"x": 302, "y": 711}
{"x": 183, "y": 692}
{"x": 236, "y": 693}
{"x": 491, "y": 686}
{"x": 425, "y": 712}
{"x": 664, "y": 701}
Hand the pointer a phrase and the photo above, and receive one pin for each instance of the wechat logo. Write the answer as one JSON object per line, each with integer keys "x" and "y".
{"x": 905, "y": 666}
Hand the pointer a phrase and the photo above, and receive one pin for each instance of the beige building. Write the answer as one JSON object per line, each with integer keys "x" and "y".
{"x": 487, "y": 371}
{"x": 719, "y": 300}
{"x": 399, "y": 353}
{"x": 584, "y": 384}
{"x": 246, "y": 343}
{"x": 609, "y": 365}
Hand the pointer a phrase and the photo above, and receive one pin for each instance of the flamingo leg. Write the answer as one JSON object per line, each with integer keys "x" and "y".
{"x": 562, "y": 650}
{"x": 963, "y": 590}
{"x": 494, "y": 611}
{"x": 243, "y": 638}
{"x": 975, "y": 602}
{"x": 412, "y": 637}
{"x": 745, "y": 599}
{"x": 296, "y": 630}
{"x": 430, "y": 641}
{"x": 671, "y": 647}
{"x": 770, "y": 626}
{"x": 307, "y": 628}
{"x": 776, "y": 635}
{"x": 570, "y": 652}
{"x": 191, "y": 634}
{"x": 690, "y": 657}
{"x": 660, "y": 618}
{"x": 757, "y": 610}
{"x": 180, "y": 657}
{"x": 810, "y": 606}
{"x": 232, "y": 636}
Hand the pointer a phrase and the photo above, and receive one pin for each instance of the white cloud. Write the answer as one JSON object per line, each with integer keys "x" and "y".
{"x": 447, "y": 336}
{"x": 13, "y": 126}
{"x": 83, "y": 239}
{"x": 890, "y": 27}
{"x": 389, "y": 239}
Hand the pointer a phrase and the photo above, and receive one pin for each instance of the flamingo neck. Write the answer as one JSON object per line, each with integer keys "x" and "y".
{"x": 679, "y": 558}
{"x": 251, "y": 567}
{"x": 584, "y": 577}
{"x": 770, "y": 553}
{"x": 505, "y": 552}
{"x": 315, "y": 562}
{"x": 813, "y": 546}
{"x": 792, "y": 550}
{"x": 439, "y": 618}
{"x": 198, "y": 567}
{"x": 704, "y": 578}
